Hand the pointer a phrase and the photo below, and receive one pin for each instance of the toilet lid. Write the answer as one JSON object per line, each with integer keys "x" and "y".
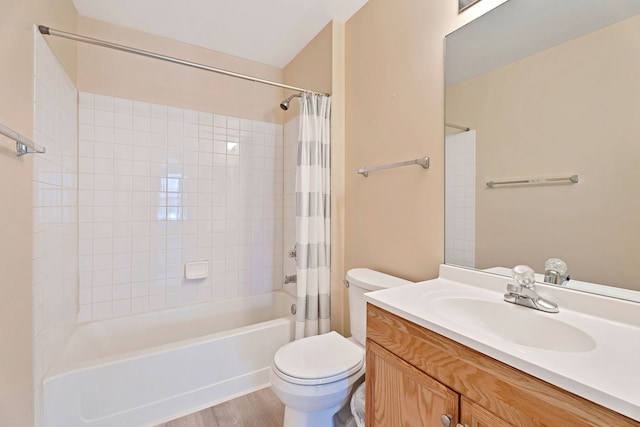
{"x": 319, "y": 359}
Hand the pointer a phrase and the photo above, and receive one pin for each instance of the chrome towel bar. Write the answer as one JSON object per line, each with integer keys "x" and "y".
{"x": 424, "y": 162}
{"x": 462, "y": 128}
{"x": 23, "y": 144}
{"x": 573, "y": 179}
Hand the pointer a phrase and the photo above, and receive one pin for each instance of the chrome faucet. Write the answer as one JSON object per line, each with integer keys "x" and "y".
{"x": 524, "y": 293}
{"x": 555, "y": 271}
{"x": 290, "y": 279}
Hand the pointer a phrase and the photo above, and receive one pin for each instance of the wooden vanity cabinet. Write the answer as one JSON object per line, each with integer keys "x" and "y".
{"x": 403, "y": 395}
{"x": 414, "y": 376}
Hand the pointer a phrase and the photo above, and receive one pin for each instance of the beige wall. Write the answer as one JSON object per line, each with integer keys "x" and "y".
{"x": 394, "y": 112}
{"x": 570, "y": 109}
{"x": 311, "y": 68}
{"x": 109, "y": 72}
{"x": 320, "y": 66}
{"x": 16, "y": 174}
{"x": 340, "y": 307}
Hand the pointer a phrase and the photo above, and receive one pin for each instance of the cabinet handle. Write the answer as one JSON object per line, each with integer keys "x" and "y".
{"x": 446, "y": 420}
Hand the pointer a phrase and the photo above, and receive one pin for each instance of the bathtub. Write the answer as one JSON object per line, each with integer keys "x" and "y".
{"x": 149, "y": 368}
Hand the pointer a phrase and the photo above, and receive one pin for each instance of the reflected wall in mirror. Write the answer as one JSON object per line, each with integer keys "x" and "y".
{"x": 550, "y": 89}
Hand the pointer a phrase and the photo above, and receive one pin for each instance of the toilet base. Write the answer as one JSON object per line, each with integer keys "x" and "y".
{"x": 295, "y": 418}
{"x": 331, "y": 417}
{"x": 317, "y": 405}
{"x": 338, "y": 415}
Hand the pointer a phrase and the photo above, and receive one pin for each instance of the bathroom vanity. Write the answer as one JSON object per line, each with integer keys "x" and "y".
{"x": 451, "y": 352}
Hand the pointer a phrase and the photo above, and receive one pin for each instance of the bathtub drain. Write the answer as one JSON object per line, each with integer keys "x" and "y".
{"x": 294, "y": 309}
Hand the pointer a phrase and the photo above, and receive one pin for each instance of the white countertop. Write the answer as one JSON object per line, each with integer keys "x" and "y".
{"x": 604, "y": 367}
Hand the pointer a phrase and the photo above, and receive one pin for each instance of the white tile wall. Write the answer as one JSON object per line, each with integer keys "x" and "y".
{"x": 290, "y": 163}
{"x": 160, "y": 186}
{"x": 55, "y": 226}
{"x": 460, "y": 200}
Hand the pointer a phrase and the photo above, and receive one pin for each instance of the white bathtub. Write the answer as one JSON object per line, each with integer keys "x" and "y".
{"x": 149, "y": 368}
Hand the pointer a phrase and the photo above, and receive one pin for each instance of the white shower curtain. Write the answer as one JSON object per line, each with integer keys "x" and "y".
{"x": 313, "y": 212}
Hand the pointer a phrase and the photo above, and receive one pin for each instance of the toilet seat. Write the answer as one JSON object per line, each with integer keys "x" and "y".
{"x": 320, "y": 359}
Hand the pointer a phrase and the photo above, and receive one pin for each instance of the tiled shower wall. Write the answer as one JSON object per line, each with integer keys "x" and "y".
{"x": 290, "y": 163}
{"x": 460, "y": 199}
{"x": 161, "y": 186}
{"x": 55, "y": 222}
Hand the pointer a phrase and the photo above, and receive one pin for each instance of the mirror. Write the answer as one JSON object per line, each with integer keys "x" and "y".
{"x": 550, "y": 90}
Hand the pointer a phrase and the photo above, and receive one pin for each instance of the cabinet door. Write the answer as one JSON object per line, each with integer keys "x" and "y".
{"x": 473, "y": 415}
{"x": 400, "y": 395}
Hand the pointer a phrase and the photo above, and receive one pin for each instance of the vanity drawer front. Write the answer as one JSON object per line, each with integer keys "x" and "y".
{"x": 400, "y": 395}
{"x": 472, "y": 415}
{"x": 510, "y": 394}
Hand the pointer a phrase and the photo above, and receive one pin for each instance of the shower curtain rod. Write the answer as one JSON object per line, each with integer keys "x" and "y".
{"x": 52, "y": 32}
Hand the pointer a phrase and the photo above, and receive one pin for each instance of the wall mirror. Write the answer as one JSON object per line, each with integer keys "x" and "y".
{"x": 549, "y": 90}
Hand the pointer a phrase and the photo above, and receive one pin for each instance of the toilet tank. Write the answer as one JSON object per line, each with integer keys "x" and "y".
{"x": 361, "y": 281}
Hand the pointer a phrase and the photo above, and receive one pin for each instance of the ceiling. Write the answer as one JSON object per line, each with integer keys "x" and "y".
{"x": 268, "y": 31}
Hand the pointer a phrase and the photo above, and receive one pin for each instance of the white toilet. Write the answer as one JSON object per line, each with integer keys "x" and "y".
{"x": 315, "y": 376}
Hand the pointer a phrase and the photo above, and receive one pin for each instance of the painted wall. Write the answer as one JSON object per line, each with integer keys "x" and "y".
{"x": 340, "y": 305}
{"x": 16, "y": 111}
{"x": 311, "y": 68}
{"x": 577, "y": 114}
{"x": 108, "y": 72}
{"x": 395, "y": 98}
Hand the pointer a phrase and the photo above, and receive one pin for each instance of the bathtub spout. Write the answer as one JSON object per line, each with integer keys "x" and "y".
{"x": 290, "y": 279}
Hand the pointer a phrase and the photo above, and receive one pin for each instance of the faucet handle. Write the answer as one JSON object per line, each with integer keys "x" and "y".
{"x": 557, "y": 265}
{"x": 524, "y": 276}
{"x": 555, "y": 271}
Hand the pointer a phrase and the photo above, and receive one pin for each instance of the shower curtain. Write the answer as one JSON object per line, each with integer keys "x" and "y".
{"x": 313, "y": 216}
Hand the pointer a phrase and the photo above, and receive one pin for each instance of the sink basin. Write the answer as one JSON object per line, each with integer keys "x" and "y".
{"x": 516, "y": 324}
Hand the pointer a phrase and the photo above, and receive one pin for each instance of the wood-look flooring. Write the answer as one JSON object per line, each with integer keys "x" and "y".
{"x": 258, "y": 409}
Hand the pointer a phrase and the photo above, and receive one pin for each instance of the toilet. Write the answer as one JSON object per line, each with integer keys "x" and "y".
{"x": 315, "y": 376}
